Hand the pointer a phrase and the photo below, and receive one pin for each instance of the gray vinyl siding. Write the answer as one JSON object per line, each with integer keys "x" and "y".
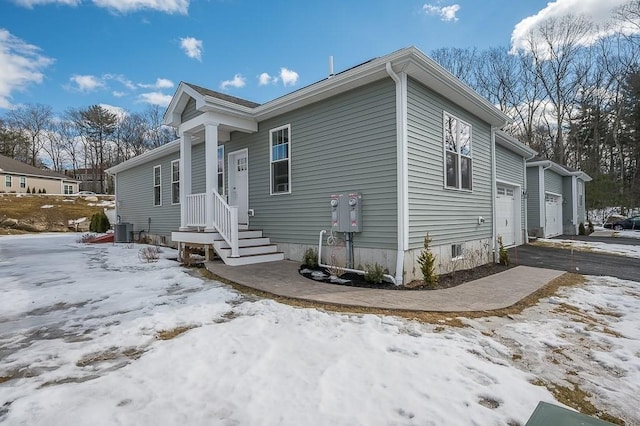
{"x": 567, "y": 207}
{"x": 344, "y": 143}
{"x": 449, "y": 216}
{"x": 533, "y": 198}
{"x": 134, "y": 192}
{"x": 198, "y": 168}
{"x": 510, "y": 168}
{"x": 190, "y": 111}
{"x": 553, "y": 182}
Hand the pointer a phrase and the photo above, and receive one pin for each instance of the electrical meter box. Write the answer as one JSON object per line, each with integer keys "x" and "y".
{"x": 346, "y": 212}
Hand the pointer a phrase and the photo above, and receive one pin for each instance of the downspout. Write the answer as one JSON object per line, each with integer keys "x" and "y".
{"x": 402, "y": 173}
{"x": 541, "y": 197}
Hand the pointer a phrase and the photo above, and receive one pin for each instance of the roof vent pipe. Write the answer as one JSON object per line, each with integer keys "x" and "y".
{"x": 330, "y": 66}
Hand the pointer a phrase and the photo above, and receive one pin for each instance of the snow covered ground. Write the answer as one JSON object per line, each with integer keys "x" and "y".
{"x": 594, "y": 246}
{"x": 79, "y": 345}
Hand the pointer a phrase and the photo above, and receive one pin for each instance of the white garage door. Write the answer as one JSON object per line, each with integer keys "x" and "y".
{"x": 505, "y": 215}
{"x": 553, "y": 220}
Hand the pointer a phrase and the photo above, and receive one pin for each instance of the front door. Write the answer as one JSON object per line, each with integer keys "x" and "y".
{"x": 239, "y": 184}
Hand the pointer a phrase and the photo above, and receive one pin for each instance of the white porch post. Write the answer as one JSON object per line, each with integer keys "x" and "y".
{"x": 211, "y": 170}
{"x": 185, "y": 177}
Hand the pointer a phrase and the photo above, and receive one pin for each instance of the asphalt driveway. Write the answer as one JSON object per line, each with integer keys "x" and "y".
{"x": 586, "y": 263}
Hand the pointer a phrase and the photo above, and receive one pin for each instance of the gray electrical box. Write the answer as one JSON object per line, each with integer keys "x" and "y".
{"x": 346, "y": 212}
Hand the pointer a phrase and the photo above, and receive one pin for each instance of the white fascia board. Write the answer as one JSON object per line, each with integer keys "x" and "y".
{"x": 173, "y": 114}
{"x": 161, "y": 151}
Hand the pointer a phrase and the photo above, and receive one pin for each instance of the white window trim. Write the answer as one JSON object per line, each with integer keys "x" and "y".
{"x": 172, "y": 183}
{"x": 159, "y": 185}
{"x": 224, "y": 186}
{"x": 288, "y": 127}
{"x": 22, "y": 179}
{"x": 8, "y": 179}
{"x": 458, "y": 155}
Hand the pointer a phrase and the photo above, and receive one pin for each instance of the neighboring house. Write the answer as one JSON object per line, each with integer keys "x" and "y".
{"x": 420, "y": 149}
{"x": 556, "y": 198}
{"x": 91, "y": 180}
{"x": 16, "y": 176}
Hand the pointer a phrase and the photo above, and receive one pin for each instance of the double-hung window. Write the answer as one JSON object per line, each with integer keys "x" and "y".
{"x": 23, "y": 182}
{"x": 221, "y": 169}
{"x": 580, "y": 193}
{"x": 280, "y": 153}
{"x": 175, "y": 182}
{"x": 457, "y": 153}
{"x": 7, "y": 181}
{"x": 157, "y": 189}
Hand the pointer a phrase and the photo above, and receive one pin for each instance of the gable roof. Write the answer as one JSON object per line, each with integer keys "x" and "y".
{"x": 9, "y": 165}
{"x": 562, "y": 170}
{"x": 410, "y": 60}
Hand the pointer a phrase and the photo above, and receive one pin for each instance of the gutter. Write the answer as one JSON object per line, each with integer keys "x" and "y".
{"x": 494, "y": 221}
{"x": 402, "y": 173}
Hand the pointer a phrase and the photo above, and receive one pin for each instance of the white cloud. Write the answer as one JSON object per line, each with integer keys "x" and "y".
{"x": 446, "y": 13}
{"x": 124, "y": 6}
{"x": 31, "y": 3}
{"x": 237, "y": 81}
{"x": 265, "y": 79}
{"x": 21, "y": 64}
{"x": 86, "y": 83}
{"x": 118, "y": 94}
{"x": 155, "y": 98}
{"x": 115, "y": 110}
{"x": 120, "y": 79}
{"x": 192, "y": 47}
{"x": 599, "y": 12}
{"x": 288, "y": 77}
{"x": 161, "y": 83}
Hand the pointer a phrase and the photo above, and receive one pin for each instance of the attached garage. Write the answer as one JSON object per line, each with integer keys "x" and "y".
{"x": 506, "y": 215}
{"x": 553, "y": 215}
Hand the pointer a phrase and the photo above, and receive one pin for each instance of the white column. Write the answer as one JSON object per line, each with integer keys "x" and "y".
{"x": 211, "y": 170}
{"x": 185, "y": 177}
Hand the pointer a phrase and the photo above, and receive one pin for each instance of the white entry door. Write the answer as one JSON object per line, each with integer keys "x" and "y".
{"x": 553, "y": 215}
{"x": 505, "y": 215}
{"x": 239, "y": 184}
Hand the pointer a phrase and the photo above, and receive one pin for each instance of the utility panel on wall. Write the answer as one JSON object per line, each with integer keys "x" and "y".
{"x": 346, "y": 212}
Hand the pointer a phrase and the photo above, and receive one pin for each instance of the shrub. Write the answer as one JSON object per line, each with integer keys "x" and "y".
{"x": 149, "y": 254}
{"x": 590, "y": 227}
{"x": 85, "y": 238}
{"x": 310, "y": 258}
{"x": 504, "y": 254}
{"x": 335, "y": 269}
{"x": 373, "y": 274}
{"x": 28, "y": 190}
{"x": 39, "y": 191}
{"x": 581, "y": 229}
{"x": 44, "y": 191}
{"x": 99, "y": 222}
{"x": 427, "y": 262}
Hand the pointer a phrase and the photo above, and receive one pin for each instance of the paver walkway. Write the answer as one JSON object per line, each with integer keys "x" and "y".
{"x": 493, "y": 292}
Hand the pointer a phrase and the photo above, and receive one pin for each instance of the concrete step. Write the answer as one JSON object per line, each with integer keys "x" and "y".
{"x": 257, "y": 258}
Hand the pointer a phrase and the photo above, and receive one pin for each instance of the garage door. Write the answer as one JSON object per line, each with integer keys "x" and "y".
{"x": 505, "y": 215}
{"x": 553, "y": 220}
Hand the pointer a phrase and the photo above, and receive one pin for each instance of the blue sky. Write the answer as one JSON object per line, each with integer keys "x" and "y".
{"x": 132, "y": 53}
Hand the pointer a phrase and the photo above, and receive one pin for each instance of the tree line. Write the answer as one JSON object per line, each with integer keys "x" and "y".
{"x": 573, "y": 99}
{"x": 93, "y": 138}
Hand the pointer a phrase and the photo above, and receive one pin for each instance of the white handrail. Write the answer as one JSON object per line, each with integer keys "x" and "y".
{"x": 196, "y": 210}
{"x": 225, "y": 220}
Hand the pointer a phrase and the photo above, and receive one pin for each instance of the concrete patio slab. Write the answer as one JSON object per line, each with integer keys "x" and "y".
{"x": 489, "y": 293}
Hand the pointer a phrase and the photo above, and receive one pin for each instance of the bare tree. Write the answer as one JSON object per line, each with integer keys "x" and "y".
{"x": 33, "y": 121}
{"x": 13, "y": 144}
{"x": 157, "y": 133}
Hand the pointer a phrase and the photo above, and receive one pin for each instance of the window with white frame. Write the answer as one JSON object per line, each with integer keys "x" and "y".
{"x": 175, "y": 182}
{"x": 580, "y": 193}
{"x": 221, "y": 169}
{"x": 457, "y": 153}
{"x": 157, "y": 188}
{"x": 23, "y": 182}
{"x": 7, "y": 181}
{"x": 280, "y": 153}
{"x": 68, "y": 189}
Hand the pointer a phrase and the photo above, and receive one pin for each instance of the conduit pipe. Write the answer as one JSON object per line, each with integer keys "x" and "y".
{"x": 355, "y": 271}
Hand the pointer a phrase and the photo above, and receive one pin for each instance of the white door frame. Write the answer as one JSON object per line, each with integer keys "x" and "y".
{"x": 243, "y": 210}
